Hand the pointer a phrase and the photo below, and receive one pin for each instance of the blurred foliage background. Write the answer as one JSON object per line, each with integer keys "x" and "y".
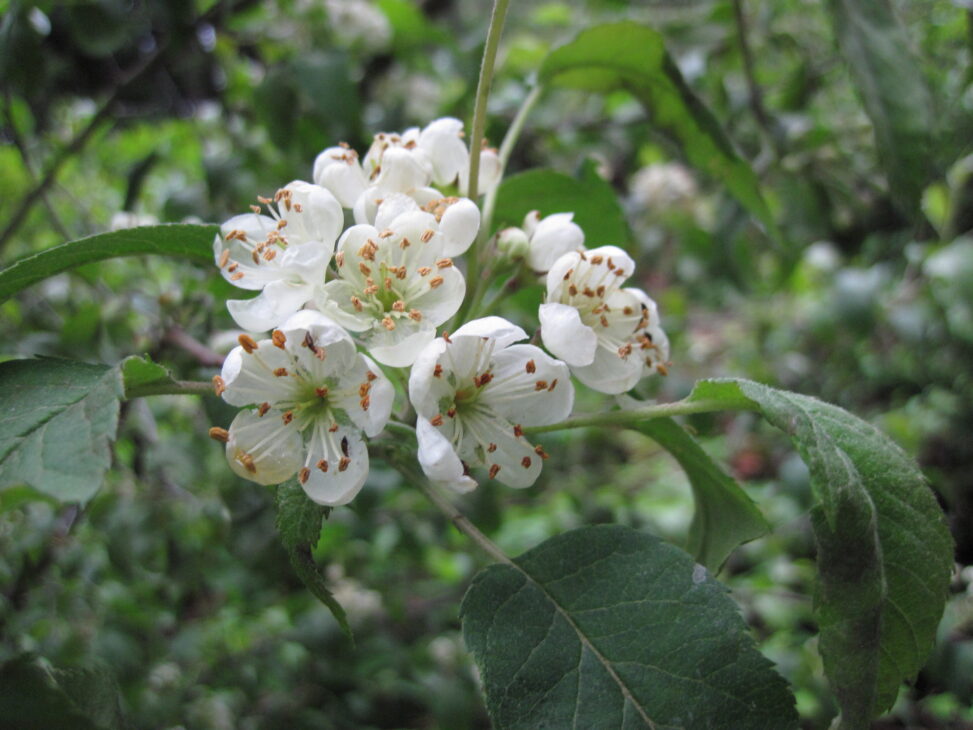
{"x": 172, "y": 580}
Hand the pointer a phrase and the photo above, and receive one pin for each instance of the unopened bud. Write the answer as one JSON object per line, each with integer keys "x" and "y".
{"x": 513, "y": 243}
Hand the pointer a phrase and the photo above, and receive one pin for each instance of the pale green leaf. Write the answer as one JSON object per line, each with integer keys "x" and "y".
{"x": 606, "y": 627}
{"x": 141, "y": 373}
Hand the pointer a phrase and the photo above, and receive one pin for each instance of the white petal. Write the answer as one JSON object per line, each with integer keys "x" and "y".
{"x": 611, "y": 373}
{"x": 519, "y": 465}
{"x": 262, "y": 448}
{"x": 365, "y": 207}
{"x": 337, "y": 485}
{"x": 440, "y": 303}
{"x": 334, "y": 300}
{"x": 383, "y": 397}
{"x": 619, "y": 259}
{"x": 564, "y": 334}
{"x": 537, "y": 394}
{"x": 488, "y": 176}
{"x": 403, "y": 352}
{"x": 443, "y": 144}
{"x": 459, "y": 225}
{"x": 553, "y": 237}
{"x": 393, "y": 205}
{"x": 425, "y": 389}
{"x": 256, "y": 228}
{"x": 338, "y": 170}
{"x": 340, "y": 352}
{"x": 439, "y": 461}
{"x": 530, "y": 222}
{"x": 559, "y": 273}
{"x": 496, "y": 328}
{"x": 278, "y": 301}
{"x": 403, "y": 170}
{"x": 314, "y": 214}
{"x": 249, "y": 377}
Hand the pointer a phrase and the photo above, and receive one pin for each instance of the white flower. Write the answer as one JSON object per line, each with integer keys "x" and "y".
{"x": 610, "y": 336}
{"x": 473, "y": 392}
{"x": 359, "y": 22}
{"x": 284, "y": 255}
{"x": 663, "y": 185}
{"x": 338, "y": 170}
{"x": 488, "y": 176}
{"x": 550, "y": 238}
{"x": 395, "y": 282}
{"x": 312, "y": 395}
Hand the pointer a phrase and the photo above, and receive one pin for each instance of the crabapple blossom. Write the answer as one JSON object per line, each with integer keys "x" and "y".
{"x": 284, "y": 255}
{"x": 308, "y": 395}
{"x": 609, "y": 336}
{"x": 395, "y": 282}
{"x": 550, "y": 238}
{"x": 473, "y": 393}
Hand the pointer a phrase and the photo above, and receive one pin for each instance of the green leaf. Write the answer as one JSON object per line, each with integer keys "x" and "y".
{"x": 893, "y": 89}
{"x": 33, "y": 698}
{"x": 142, "y": 373}
{"x": 591, "y": 199}
{"x": 725, "y": 516}
{"x": 884, "y": 553}
{"x": 299, "y": 525}
{"x": 632, "y": 57}
{"x": 57, "y": 422}
{"x": 180, "y": 240}
{"x": 606, "y": 627}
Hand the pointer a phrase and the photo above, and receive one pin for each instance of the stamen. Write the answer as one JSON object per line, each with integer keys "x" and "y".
{"x": 247, "y": 461}
{"x": 365, "y": 402}
{"x": 539, "y": 450}
{"x": 604, "y": 320}
{"x": 323, "y": 465}
{"x": 435, "y": 281}
{"x": 237, "y": 276}
{"x": 525, "y": 462}
{"x": 573, "y": 290}
{"x": 552, "y": 386}
{"x": 362, "y": 267}
{"x": 340, "y": 258}
{"x": 415, "y": 314}
{"x": 288, "y": 417}
{"x": 568, "y": 275}
{"x": 388, "y": 323}
{"x": 386, "y": 234}
{"x": 491, "y": 447}
{"x": 494, "y": 470}
{"x": 321, "y": 392}
{"x": 363, "y": 389}
{"x": 597, "y": 259}
{"x": 518, "y": 430}
{"x": 224, "y": 257}
{"x": 303, "y": 475}
{"x": 248, "y": 343}
{"x": 219, "y": 434}
{"x": 356, "y": 303}
{"x": 451, "y": 412}
{"x": 540, "y": 385}
{"x": 444, "y": 263}
{"x": 423, "y": 270}
{"x": 343, "y": 464}
{"x": 262, "y": 409}
{"x": 278, "y": 338}
{"x": 281, "y": 372}
{"x": 530, "y": 367}
{"x": 437, "y": 420}
{"x": 437, "y": 372}
{"x": 427, "y": 235}
{"x": 333, "y": 427}
{"x": 371, "y": 376}
{"x": 219, "y": 385}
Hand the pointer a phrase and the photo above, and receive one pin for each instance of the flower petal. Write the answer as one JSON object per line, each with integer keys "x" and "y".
{"x": 496, "y": 328}
{"x": 400, "y": 353}
{"x": 447, "y": 152}
{"x": 263, "y": 449}
{"x": 277, "y": 301}
{"x": 459, "y": 225}
{"x": 610, "y": 373}
{"x": 393, "y": 205}
{"x": 511, "y": 459}
{"x": 314, "y": 214}
{"x": 249, "y": 378}
{"x": 438, "y": 459}
{"x": 553, "y": 237}
{"x": 529, "y": 387}
{"x": 337, "y": 169}
{"x": 426, "y": 389}
{"x": 566, "y": 335}
{"x": 440, "y": 302}
{"x": 336, "y": 463}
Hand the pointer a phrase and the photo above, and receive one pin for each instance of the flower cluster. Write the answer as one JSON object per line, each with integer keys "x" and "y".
{"x": 342, "y": 307}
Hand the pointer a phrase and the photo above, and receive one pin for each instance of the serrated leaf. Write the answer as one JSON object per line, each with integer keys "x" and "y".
{"x": 606, "y": 627}
{"x": 632, "y": 57}
{"x": 193, "y": 242}
{"x": 32, "y": 698}
{"x": 884, "y": 553}
{"x": 143, "y": 373}
{"x": 591, "y": 199}
{"x": 57, "y": 421}
{"x": 894, "y": 92}
{"x": 725, "y": 516}
{"x": 299, "y": 526}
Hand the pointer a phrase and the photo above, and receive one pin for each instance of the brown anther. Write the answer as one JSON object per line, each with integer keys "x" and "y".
{"x": 386, "y": 234}
{"x": 344, "y": 145}
{"x": 263, "y": 408}
{"x": 321, "y": 392}
{"x": 255, "y": 209}
{"x": 525, "y": 462}
{"x": 600, "y": 291}
{"x": 491, "y": 447}
{"x": 398, "y": 306}
{"x": 573, "y": 290}
{"x": 278, "y": 338}
{"x": 388, "y": 323}
{"x": 219, "y": 434}
{"x": 553, "y": 385}
{"x": 437, "y": 420}
{"x": 494, "y": 470}
{"x": 387, "y": 283}
{"x": 530, "y": 367}
{"x": 356, "y": 303}
{"x": 427, "y": 235}
{"x": 405, "y": 243}
{"x": 446, "y": 337}
{"x": 588, "y": 292}
{"x": 625, "y": 350}
{"x": 340, "y": 258}
{"x": 219, "y": 385}
{"x": 265, "y": 201}
{"x": 270, "y": 254}
{"x": 363, "y": 389}
{"x": 287, "y": 417}
{"x": 627, "y": 311}
{"x": 233, "y": 267}
{"x": 437, "y": 372}
{"x": 410, "y": 145}
{"x": 661, "y": 369}
{"x": 451, "y": 411}
{"x": 540, "y": 385}
{"x": 281, "y": 372}
{"x": 303, "y": 475}
{"x": 282, "y": 223}
{"x": 444, "y": 263}
{"x": 298, "y": 208}
{"x": 363, "y": 267}
{"x": 370, "y": 376}
{"x": 224, "y": 257}
{"x": 610, "y": 263}
{"x": 435, "y": 281}
{"x": 248, "y": 343}
{"x": 604, "y": 320}
{"x": 568, "y": 275}
{"x": 518, "y": 430}
{"x": 344, "y": 445}
{"x": 583, "y": 257}
{"x": 539, "y": 450}
{"x": 255, "y": 255}
{"x": 481, "y": 380}
{"x": 237, "y": 276}
{"x": 369, "y": 290}
{"x": 343, "y": 464}
{"x": 423, "y": 270}
{"x": 415, "y": 315}
{"x": 333, "y": 427}
{"x": 597, "y": 259}
{"x": 619, "y": 271}
{"x": 247, "y": 461}
{"x": 365, "y": 402}
{"x": 323, "y": 465}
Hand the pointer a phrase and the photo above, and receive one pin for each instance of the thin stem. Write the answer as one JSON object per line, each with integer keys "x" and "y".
{"x": 753, "y": 88}
{"x": 630, "y": 417}
{"x": 483, "y": 91}
{"x": 178, "y": 387}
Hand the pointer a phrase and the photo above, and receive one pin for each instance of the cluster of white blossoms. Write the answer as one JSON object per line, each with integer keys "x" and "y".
{"x": 338, "y": 304}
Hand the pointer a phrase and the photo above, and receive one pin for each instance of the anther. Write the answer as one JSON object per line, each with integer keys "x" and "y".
{"x": 248, "y": 343}
{"x": 568, "y": 275}
{"x": 281, "y": 372}
{"x": 540, "y": 385}
{"x": 363, "y": 389}
{"x": 370, "y": 376}
{"x": 444, "y": 263}
{"x": 362, "y": 267}
{"x": 340, "y": 258}
{"x": 494, "y": 470}
{"x": 539, "y": 450}
{"x": 323, "y": 465}
{"x": 270, "y": 254}
{"x": 303, "y": 475}
{"x": 525, "y": 462}
{"x": 600, "y": 291}
{"x": 415, "y": 314}
{"x": 437, "y": 420}
{"x": 427, "y": 235}
{"x": 287, "y": 417}
{"x": 451, "y": 412}
{"x": 365, "y": 402}
{"x": 388, "y": 323}
{"x": 224, "y": 257}
{"x": 553, "y": 385}
{"x": 518, "y": 430}
{"x": 604, "y": 320}
{"x": 237, "y": 276}
{"x": 573, "y": 290}
{"x": 278, "y": 338}
{"x": 219, "y": 385}
{"x": 247, "y": 461}
{"x": 423, "y": 270}
{"x": 219, "y": 434}
{"x": 437, "y": 372}
{"x": 661, "y": 369}
{"x": 386, "y": 234}
{"x": 446, "y": 337}
{"x": 263, "y": 408}
{"x": 387, "y": 283}
{"x": 530, "y": 367}
{"x": 597, "y": 259}
{"x": 343, "y": 464}
{"x": 627, "y": 311}
{"x": 321, "y": 392}
{"x": 435, "y": 281}
{"x": 333, "y": 427}
{"x": 255, "y": 209}
{"x": 491, "y": 447}
{"x": 356, "y": 303}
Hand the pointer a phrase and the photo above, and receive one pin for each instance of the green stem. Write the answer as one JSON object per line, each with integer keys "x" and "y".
{"x": 626, "y": 418}
{"x": 179, "y": 387}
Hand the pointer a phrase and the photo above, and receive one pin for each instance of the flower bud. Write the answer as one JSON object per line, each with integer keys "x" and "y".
{"x": 513, "y": 243}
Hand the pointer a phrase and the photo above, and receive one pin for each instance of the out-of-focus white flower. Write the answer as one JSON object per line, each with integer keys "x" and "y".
{"x": 395, "y": 282}
{"x": 358, "y": 22}
{"x": 550, "y": 238}
{"x": 337, "y": 169}
{"x": 473, "y": 392}
{"x": 309, "y": 396}
{"x": 663, "y": 185}
{"x": 284, "y": 255}
{"x": 489, "y": 175}
{"x": 610, "y": 336}
{"x": 125, "y": 219}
